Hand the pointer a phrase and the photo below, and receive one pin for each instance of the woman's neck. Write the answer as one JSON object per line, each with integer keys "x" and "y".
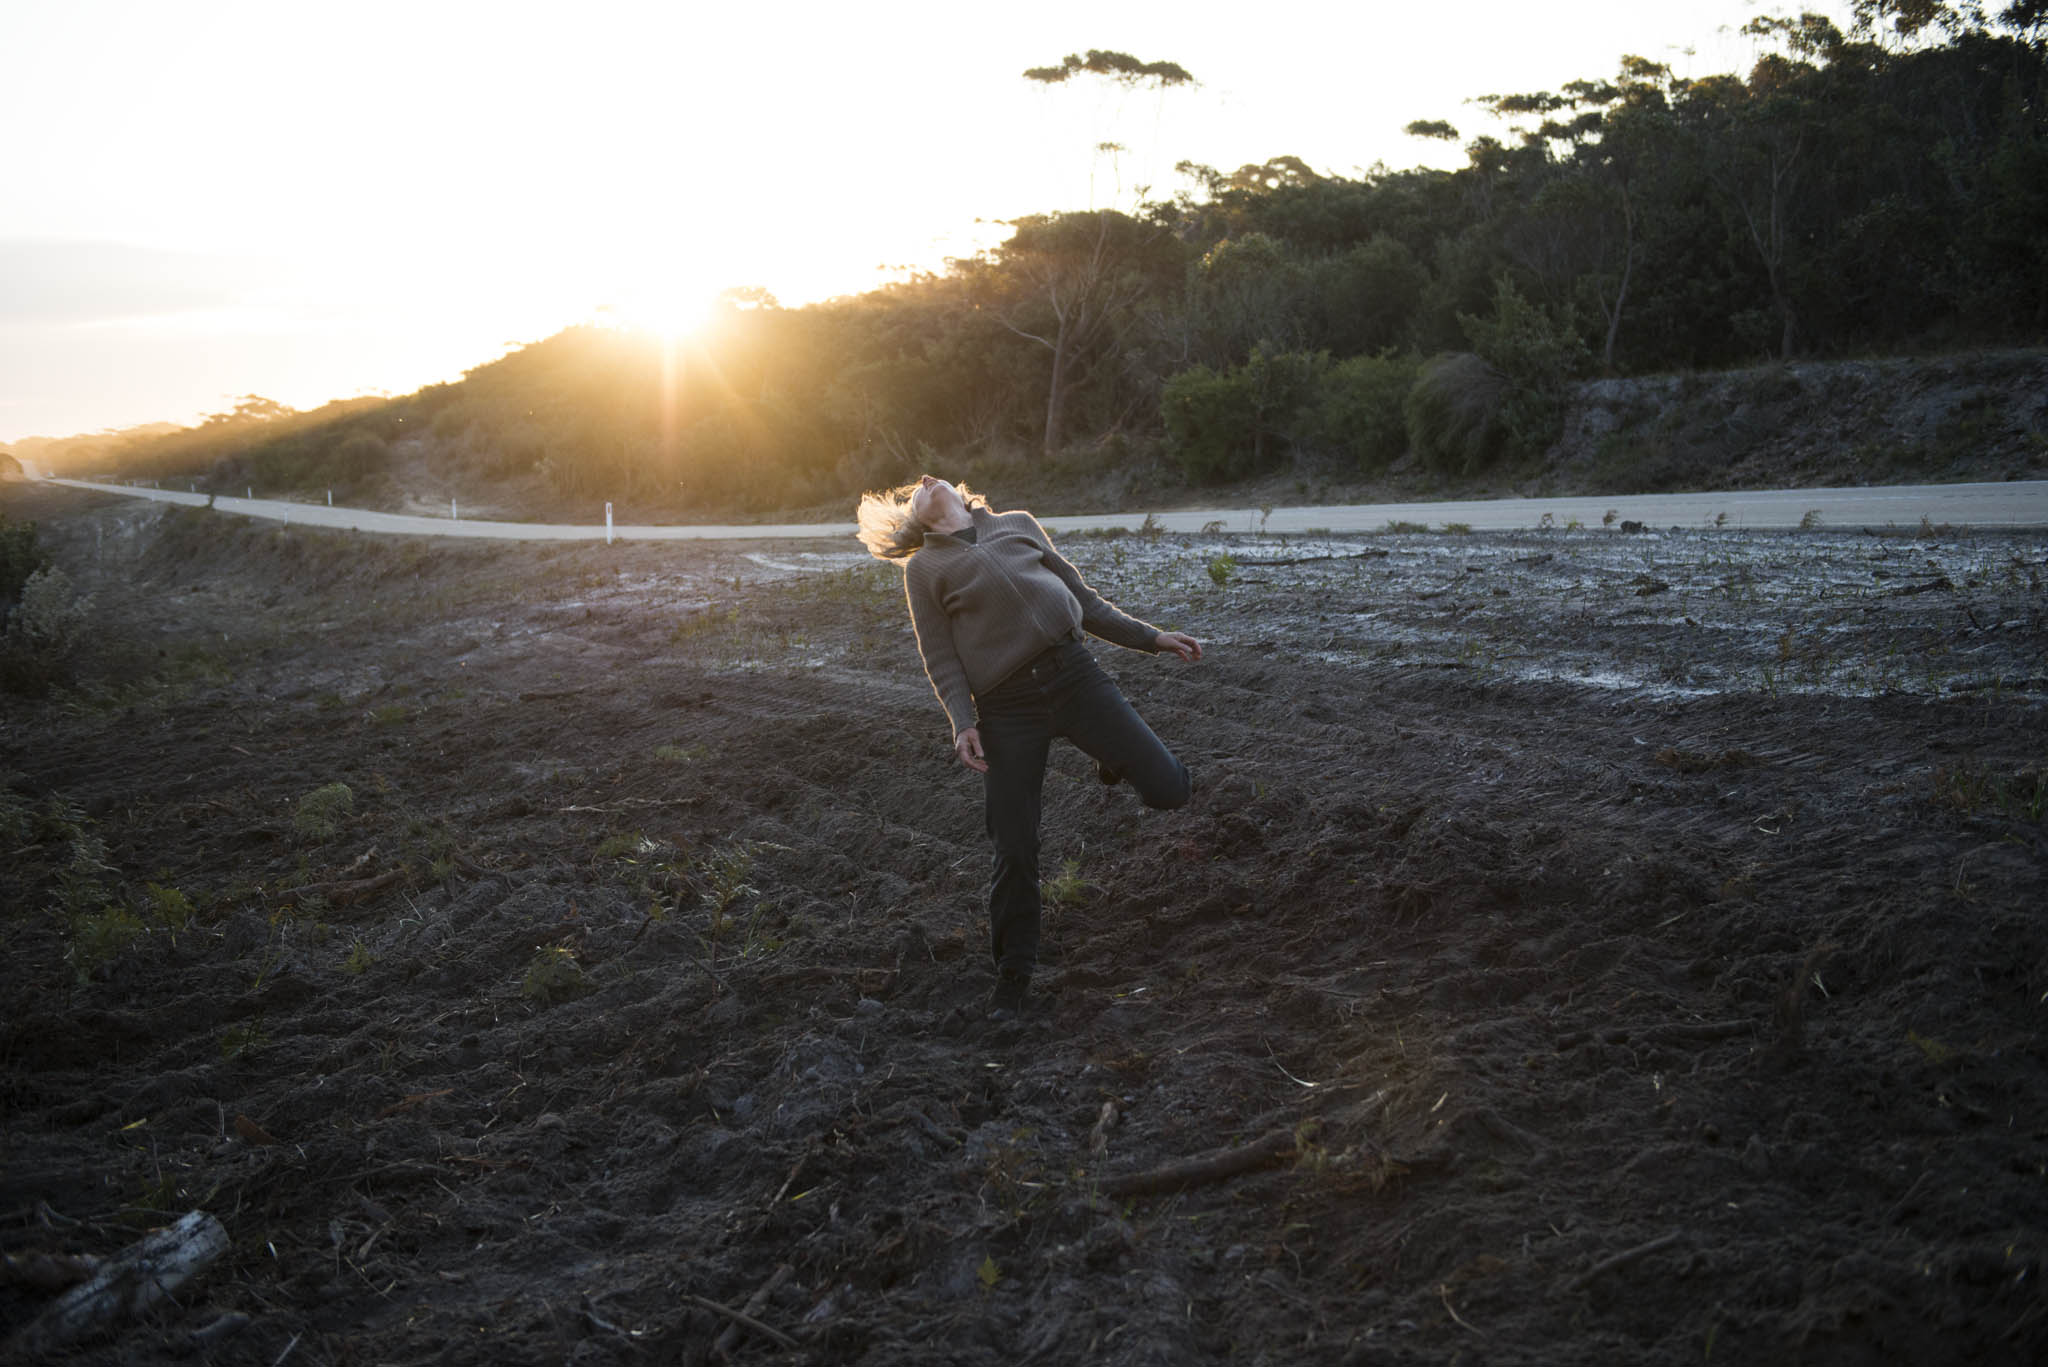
{"x": 959, "y": 522}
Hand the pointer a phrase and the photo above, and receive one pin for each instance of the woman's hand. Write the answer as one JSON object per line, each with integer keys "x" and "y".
{"x": 1180, "y": 643}
{"x": 967, "y": 745}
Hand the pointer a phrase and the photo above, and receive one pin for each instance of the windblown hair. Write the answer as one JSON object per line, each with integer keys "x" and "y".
{"x": 886, "y": 527}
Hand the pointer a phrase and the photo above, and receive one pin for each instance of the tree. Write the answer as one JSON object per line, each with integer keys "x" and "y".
{"x": 1119, "y": 67}
{"x": 1074, "y": 281}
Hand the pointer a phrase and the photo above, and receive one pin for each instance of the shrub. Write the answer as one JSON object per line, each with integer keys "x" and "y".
{"x": 1228, "y": 425}
{"x": 51, "y": 616}
{"x": 45, "y": 627}
{"x": 1208, "y": 423}
{"x": 1453, "y": 412}
{"x": 1360, "y": 408}
{"x": 553, "y": 975}
{"x": 20, "y": 557}
{"x": 1539, "y": 356}
{"x": 321, "y": 812}
{"x": 362, "y": 457}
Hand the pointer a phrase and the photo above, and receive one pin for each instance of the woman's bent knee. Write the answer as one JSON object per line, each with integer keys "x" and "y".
{"x": 1172, "y": 794}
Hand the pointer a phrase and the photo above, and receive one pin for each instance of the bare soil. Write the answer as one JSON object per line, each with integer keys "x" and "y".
{"x": 1581, "y": 947}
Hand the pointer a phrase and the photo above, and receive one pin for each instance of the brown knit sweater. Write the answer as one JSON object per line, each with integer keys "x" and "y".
{"x": 984, "y": 607}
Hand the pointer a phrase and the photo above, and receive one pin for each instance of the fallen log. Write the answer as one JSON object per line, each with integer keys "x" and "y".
{"x": 128, "y": 1283}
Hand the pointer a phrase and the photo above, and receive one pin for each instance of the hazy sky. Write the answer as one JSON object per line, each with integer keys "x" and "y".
{"x": 311, "y": 200}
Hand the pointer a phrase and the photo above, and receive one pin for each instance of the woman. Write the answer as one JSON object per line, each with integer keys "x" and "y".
{"x": 999, "y": 616}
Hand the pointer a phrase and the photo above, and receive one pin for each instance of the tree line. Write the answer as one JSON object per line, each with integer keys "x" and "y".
{"x": 1883, "y": 189}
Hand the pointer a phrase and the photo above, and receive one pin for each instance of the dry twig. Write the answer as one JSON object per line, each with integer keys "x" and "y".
{"x": 746, "y": 1318}
{"x": 1623, "y": 1259}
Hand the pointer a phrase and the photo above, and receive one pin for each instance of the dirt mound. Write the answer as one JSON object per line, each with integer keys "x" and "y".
{"x": 1953, "y": 418}
{"x": 529, "y": 952}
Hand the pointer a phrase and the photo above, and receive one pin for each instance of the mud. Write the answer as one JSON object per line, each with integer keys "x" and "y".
{"x": 1624, "y": 947}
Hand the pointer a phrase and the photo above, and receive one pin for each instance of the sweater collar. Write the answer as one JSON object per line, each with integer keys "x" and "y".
{"x": 979, "y": 516}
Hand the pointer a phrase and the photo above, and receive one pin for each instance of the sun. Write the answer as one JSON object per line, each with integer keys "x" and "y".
{"x": 671, "y": 309}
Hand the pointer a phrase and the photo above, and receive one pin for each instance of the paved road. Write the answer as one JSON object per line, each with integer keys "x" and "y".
{"x": 2014, "y": 504}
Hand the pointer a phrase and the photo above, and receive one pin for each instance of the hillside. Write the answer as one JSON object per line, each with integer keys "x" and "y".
{"x": 1875, "y": 192}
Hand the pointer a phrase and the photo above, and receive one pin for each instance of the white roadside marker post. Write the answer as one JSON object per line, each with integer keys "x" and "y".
{"x": 607, "y": 524}
{"x": 453, "y": 516}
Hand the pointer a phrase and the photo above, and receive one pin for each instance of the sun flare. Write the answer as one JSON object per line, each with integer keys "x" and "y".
{"x": 671, "y": 309}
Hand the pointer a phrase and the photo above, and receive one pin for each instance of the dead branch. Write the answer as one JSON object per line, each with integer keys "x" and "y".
{"x": 1623, "y": 1259}
{"x": 1098, "y": 1138}
{"x": 1444, "y": 1291}
{"x": 747, "y": 1318}
{"x": 1698, "y": 1032}
{"x": 342, "y": 892}
{"x": 415, "y": 1099}
{"x": 1277, "y": 1147}
{"x": 46, "y": 1271}
{"x": 1311, "y": 559}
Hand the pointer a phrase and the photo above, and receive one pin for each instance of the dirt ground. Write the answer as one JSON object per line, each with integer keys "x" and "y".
{"x": 1586, "y": 947}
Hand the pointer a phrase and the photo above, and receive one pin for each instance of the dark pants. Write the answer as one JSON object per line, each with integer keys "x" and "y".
{"x": 1063, "y": 692}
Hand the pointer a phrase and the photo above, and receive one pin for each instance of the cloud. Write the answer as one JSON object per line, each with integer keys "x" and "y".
{"x": 61, "y": 282}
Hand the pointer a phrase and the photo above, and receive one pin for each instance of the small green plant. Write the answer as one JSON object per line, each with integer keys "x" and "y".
{"x": 725, "y": 872}
{"x": 321, "y": 813}
{"x": 1213, "y": 527}
{"x": 1572, "y": 524}
{"x": 1221, "y": 568}
{"x": 1607, "y": 518}
{"x": 1458, "y": 528}
{"x": 239, "y": 1041}
{"x": 1547, "y": 522}
{"x": 698, "y": 624}
{"x": 170, "y": 906}
{"x": 1397, "y": 527}
{"x": 391, "y": 714}
{"x": 1969, "y": 788}
{"x": 98, "y": 936}
{"x": 1066, "y": 888}
{"x": 680, "y": 754}
{"x": 358, "y": 960}
{"x": 624, "y": 846}
{"x": 1809, "y": 519}
{"x": 553, "y": 975}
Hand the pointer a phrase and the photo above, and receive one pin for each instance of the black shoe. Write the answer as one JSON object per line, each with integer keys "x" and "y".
{"x": 1110, "y": 777}
{"x": 1007, "y": 1001}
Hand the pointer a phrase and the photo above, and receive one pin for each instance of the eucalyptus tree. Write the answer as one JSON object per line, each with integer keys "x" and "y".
{"x": 1072, "y": 284}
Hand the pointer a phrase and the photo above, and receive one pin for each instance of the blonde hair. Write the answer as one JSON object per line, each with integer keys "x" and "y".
{"x": 888, "y": 529}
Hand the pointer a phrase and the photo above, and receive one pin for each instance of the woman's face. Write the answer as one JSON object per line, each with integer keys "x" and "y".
{"x": 935, "y": 501}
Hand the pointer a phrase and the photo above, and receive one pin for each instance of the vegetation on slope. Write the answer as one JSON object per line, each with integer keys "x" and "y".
{"x": 1883, "y": 191}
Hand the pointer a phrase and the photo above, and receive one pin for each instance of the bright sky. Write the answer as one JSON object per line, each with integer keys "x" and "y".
{"x": 312, "y": 200}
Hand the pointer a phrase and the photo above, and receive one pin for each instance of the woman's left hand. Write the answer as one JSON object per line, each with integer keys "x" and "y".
{"x": 1180, "y": 643}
